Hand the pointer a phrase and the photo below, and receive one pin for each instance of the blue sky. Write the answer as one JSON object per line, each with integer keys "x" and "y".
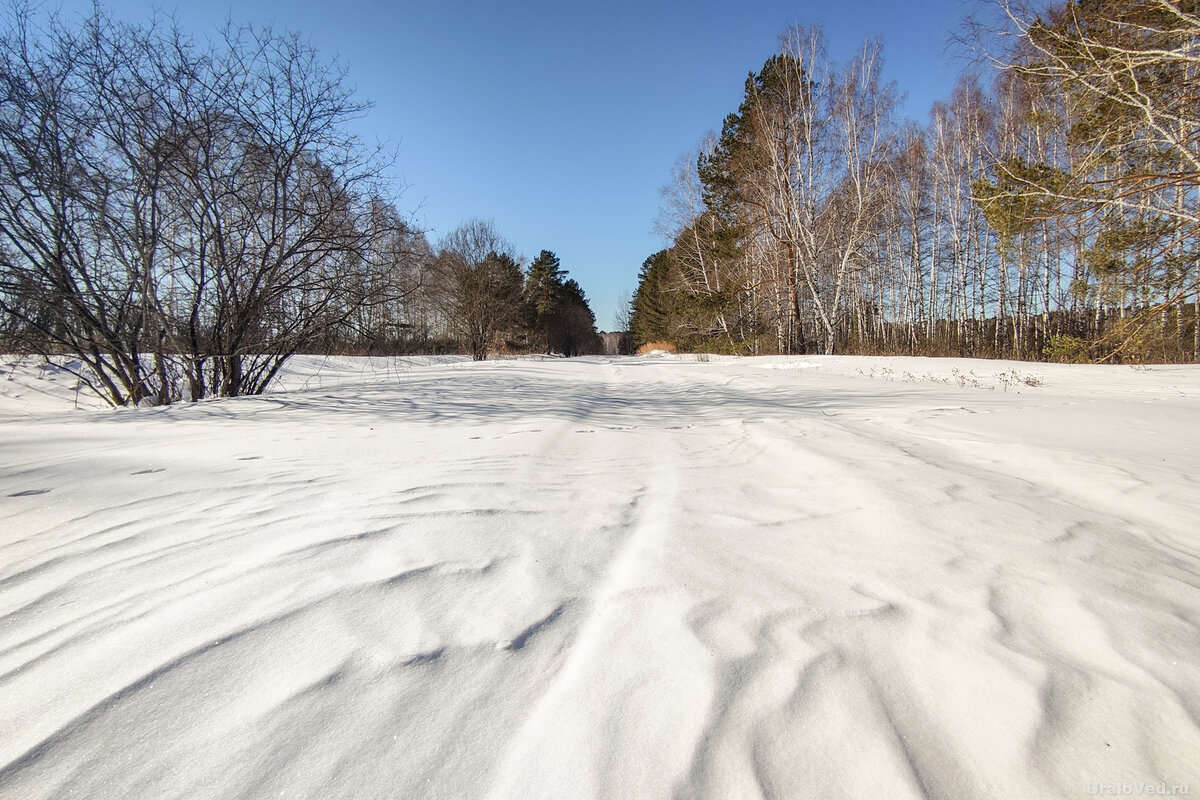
{"x": 559, "y": 121}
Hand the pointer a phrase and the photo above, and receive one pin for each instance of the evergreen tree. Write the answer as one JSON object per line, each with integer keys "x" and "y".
{"x": 654, "y": 308}
{"x": 572, "y": 328}
{"x": 557, "y": 313}
{"x": 543, "y": 292}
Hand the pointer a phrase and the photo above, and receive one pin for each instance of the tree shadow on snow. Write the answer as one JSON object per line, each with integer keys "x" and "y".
{"x": 588, "y": 395}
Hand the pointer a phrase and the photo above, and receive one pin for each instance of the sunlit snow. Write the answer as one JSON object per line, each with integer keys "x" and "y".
{"x": 605, "y": 578}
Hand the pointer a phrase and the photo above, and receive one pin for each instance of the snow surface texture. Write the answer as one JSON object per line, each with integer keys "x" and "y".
{"x": 627, "y": 578}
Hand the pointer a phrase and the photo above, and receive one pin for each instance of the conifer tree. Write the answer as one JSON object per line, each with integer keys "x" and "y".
{"x": 654, "y": 308}
{"x": 572, "y": 327}
{"x": 543, "y": 292}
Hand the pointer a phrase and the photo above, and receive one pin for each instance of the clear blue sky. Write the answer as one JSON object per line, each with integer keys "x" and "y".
{"x": 560, "y": 120}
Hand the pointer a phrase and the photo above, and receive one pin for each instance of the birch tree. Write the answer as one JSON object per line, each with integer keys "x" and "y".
{"x": 804, "y": 163}
{"x": 1129, "y": 74}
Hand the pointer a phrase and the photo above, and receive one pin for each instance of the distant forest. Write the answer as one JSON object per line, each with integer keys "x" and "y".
{"x": 1048, "y": 209}
{"x": 181, "y": 215}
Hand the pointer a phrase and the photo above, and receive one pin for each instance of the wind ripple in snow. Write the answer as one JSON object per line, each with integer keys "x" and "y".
{"x": 743, "y": 582}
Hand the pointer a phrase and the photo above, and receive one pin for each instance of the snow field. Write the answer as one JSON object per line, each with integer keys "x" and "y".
{"x": 605, "y": 578}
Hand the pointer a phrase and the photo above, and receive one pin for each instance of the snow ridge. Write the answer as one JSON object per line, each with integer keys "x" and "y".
{"x": 604, "y": 578}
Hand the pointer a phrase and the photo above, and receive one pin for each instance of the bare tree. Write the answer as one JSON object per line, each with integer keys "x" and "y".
{"x": 58, "y": 276}
{"x": 181, "y": 217}
{"x": 479, "y": 285}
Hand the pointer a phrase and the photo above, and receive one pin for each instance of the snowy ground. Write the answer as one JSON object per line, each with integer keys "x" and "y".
{"x": 638, "y": 578}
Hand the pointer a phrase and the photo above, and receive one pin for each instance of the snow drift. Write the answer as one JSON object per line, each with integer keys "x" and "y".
{"x": 605, "y": 578}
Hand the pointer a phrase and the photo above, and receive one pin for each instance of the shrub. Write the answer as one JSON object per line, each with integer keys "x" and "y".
{"x": 1066, "y": 350}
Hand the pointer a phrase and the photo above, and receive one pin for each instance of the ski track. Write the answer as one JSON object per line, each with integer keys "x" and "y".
{"x": 602, "y": 579}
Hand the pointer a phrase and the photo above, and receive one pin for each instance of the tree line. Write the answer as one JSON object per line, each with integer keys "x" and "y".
{"x": 479, "y": 296}
{"x": 181, "y": 216}
{"x": 1047, "y": 212}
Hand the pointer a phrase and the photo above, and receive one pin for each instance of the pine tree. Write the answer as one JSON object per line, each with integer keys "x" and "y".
{"x": 543, "y": 291}
{"x": 557, "y": 313}
{"x": 572, "y": 329}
